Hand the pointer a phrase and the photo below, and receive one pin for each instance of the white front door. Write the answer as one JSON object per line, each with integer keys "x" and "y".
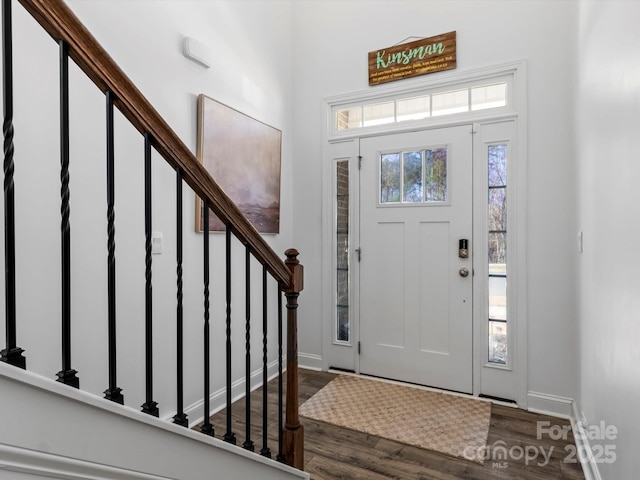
{"x": 415, "y": 301}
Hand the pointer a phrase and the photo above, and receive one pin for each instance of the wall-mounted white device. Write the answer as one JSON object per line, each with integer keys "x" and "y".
{"x": 197, "y": 51}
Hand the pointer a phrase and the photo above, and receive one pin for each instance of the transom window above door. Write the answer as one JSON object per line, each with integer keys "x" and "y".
{"x": 414, "y": 176}
{"x": 470, "y": 98}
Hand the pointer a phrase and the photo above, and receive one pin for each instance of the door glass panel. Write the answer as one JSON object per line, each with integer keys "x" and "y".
{"x": 448, "y": 103}
{"x": 498, "y": 342}
{"x": 498, "y": 209}
{"x": 497, "y": 249}
{"x": 497, "y": 295}
{"x": 498, "y": 166}
{"x": 489, "y": 96}
{"x": 412, "y": 185}
{"x": 415, "y": 108}
{"x": 435, "y": 175}
{"x": 378, "y": 114}
{"x": 423, "y": 173}
{"x": 342, "y": 253}
{"x": 349, "y": 118}
{"x": 390, "y": 178}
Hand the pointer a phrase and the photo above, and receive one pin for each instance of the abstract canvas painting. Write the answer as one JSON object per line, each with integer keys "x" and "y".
{"x": 242, "y": 155}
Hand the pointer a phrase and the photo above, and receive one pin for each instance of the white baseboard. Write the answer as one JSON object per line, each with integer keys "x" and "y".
{"x": 589, "y": 464}
{"x": 310, "y": 361}
{"x": 546, "y": 404}
{"x": 217, "y": 400}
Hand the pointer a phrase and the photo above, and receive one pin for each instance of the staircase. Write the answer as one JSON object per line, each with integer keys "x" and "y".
{"x": 136, "y": 364}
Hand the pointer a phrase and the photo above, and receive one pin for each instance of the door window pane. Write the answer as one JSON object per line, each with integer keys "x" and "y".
{"x": 497, "y": 250}
{"x": 349, "y": 118}
{"x": 498, "y": 342}
{"x": 448, "y": 103}
{"x": 423, "y": 173}
{"x": 378, "y": 114}
{"x": 415, "y": 108}
{"x": 390, "y": 178}
{"x": 498, "y": 209}
{"x": 435, "y": 167}
{"x": 489, "y": 96}
{"x": 498, "y": 166}
{"x": 497, "y": 295}
{"x": 412, "y": 187}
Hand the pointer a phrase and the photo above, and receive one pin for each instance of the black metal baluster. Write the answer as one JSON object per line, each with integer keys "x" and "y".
{"x": 12, "y": 354}
{"x": 149, "y": 406}
{"x": 280, "y": 456}
{"x": 67, "y": 375}
{"x": 206, "y": 428}
{"x": 113, "y": 393}
{"x": 265, "y": 451}
{"x": 248, "y": 443}
{"x": 180, "y": 417}
{"x": 229, "y": 436}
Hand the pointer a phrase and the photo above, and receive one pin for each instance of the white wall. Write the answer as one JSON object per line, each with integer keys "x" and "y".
{"x": 607, "y": 119}
{"x": 252, "y": 47}
{"x": 331, "y": 44}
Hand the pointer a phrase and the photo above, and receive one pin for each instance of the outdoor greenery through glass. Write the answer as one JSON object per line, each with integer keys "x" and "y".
{"x": 497, "y": 222}
{"x": 418, "y": 176}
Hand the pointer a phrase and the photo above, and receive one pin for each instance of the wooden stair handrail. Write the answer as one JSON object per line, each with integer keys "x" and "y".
{"x": 62, "y": 24}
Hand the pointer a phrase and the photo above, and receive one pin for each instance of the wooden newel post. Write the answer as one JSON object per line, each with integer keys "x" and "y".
{"x": 293, "y": 435}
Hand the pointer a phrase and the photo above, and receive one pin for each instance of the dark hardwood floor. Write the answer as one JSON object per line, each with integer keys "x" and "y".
{"x": 338, "y": 453}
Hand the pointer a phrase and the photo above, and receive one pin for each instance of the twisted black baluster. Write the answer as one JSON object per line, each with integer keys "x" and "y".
{"x": 206, "y": 428}
{"x": 248, "y": 444}
{"x": 113, "y": 393}
{"x": 229, "y": 436}
{"x": 150, "y": 407}
{"x": 265, "y": 451}
{"x": 180, "y": 417}
{"x": 67, "y": 375}
{"x": 12, "y": 354}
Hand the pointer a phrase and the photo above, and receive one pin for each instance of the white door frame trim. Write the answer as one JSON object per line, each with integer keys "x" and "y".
{"x": 517, "y": 111}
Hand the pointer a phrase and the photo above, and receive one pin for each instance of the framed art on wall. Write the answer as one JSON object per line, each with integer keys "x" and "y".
{"x": 242, "y": 155}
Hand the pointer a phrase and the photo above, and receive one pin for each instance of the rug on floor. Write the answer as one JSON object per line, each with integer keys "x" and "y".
{"x": 442, "y": 422}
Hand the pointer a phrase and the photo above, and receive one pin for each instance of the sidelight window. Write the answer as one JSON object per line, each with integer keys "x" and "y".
{"x": 497, "y": 221}
{"x": 342, "y": 333}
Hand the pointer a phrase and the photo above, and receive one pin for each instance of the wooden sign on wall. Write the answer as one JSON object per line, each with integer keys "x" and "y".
{"x": 407, "y": 60}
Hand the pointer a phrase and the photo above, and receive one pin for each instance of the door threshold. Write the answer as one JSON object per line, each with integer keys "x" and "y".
{"x": 483, "y": 398}
{"x": 405, "y": 384}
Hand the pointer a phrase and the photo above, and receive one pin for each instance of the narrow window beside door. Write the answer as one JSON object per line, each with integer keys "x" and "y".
{"x": 342, "y": 245}
{"x": 497, "y": 183}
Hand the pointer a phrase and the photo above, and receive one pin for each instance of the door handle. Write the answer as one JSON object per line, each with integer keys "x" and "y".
{"x": 463, "y": 272}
